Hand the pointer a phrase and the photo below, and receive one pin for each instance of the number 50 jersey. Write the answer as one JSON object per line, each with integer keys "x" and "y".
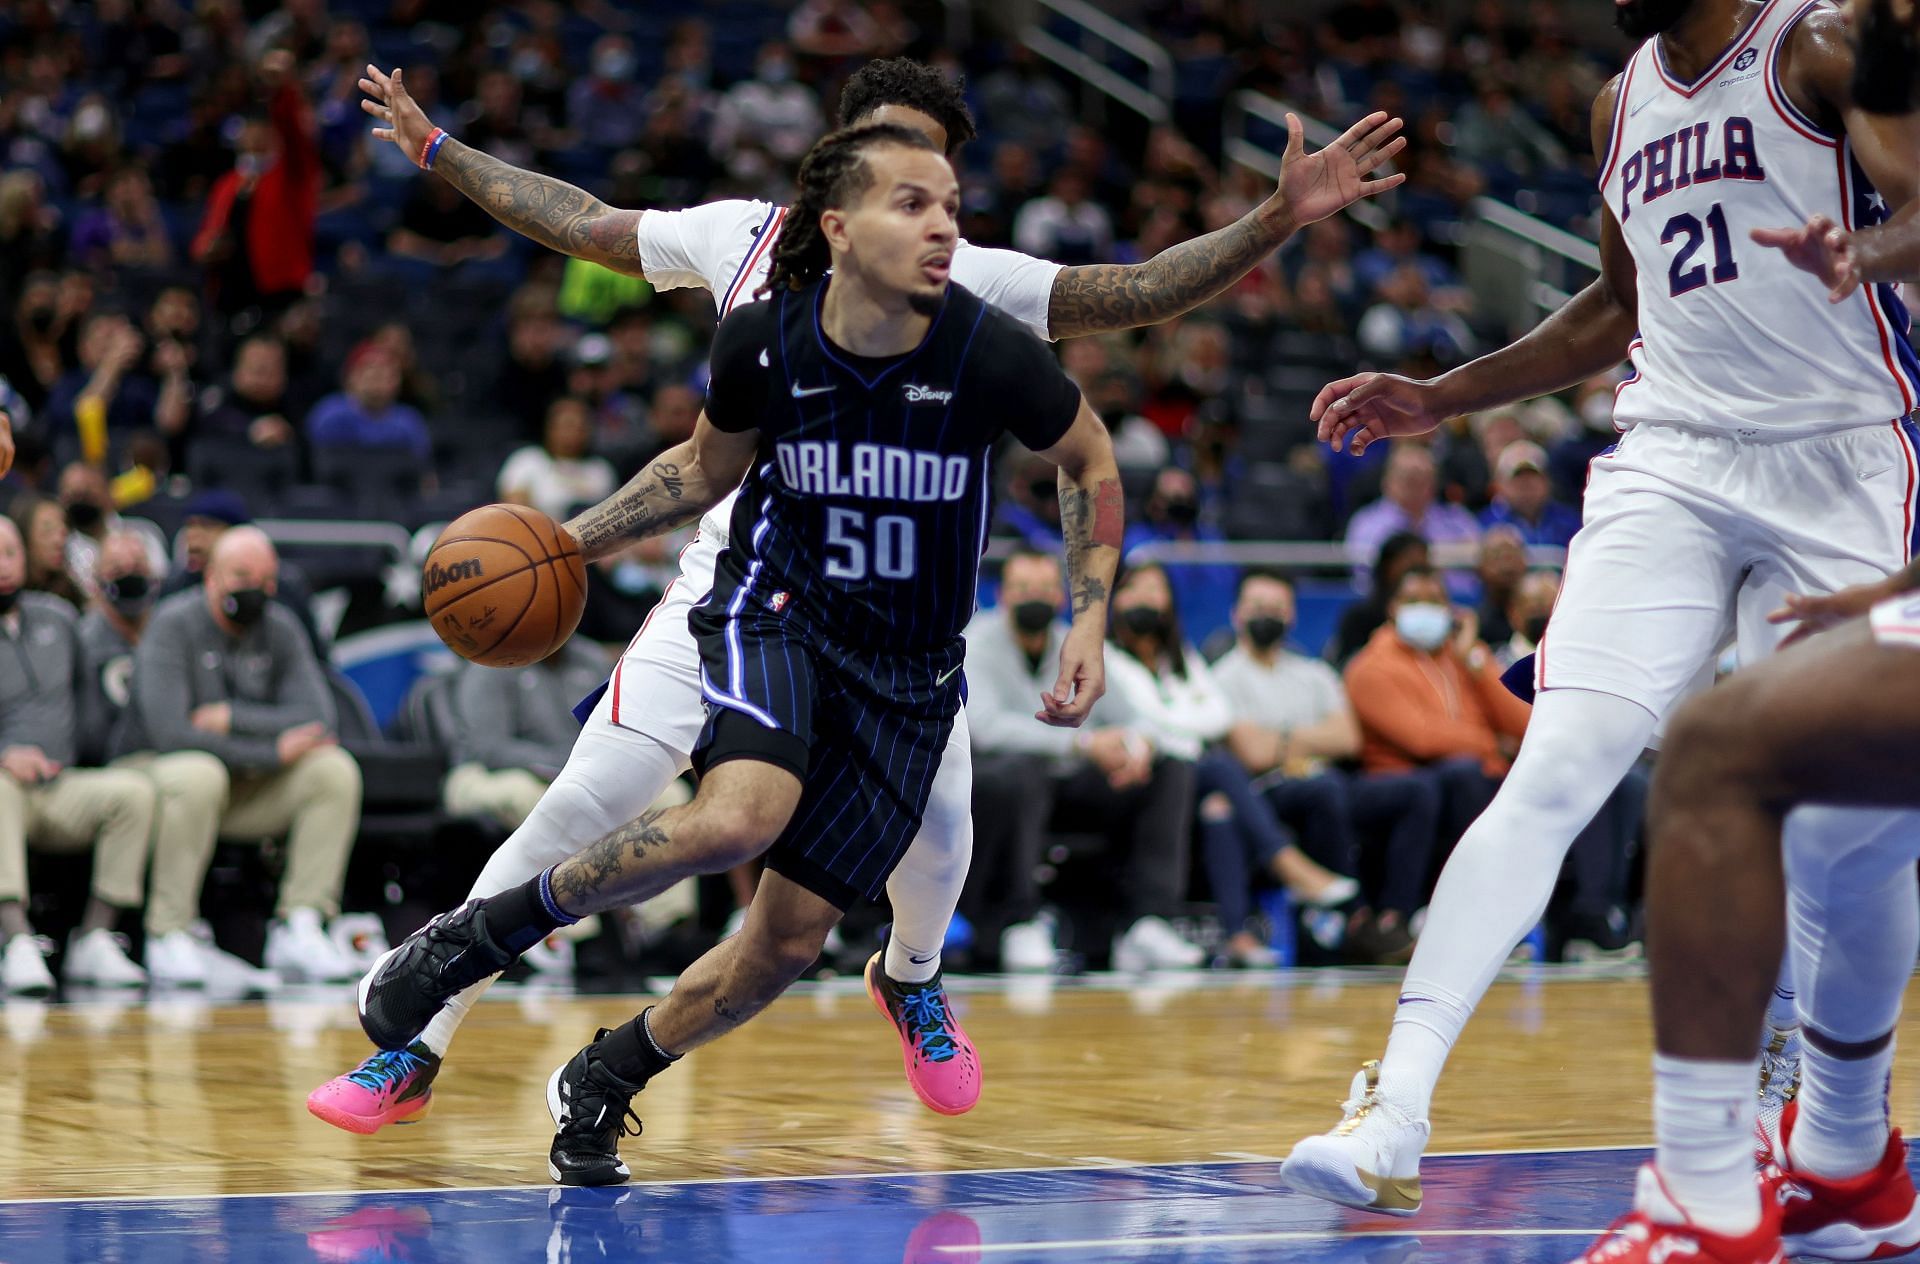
{"x": 1733, "y": 337}
{"x": 866, "y": 510}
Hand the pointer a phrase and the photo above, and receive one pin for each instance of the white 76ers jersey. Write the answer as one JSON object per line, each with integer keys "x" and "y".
{"x": 1732, "y": 337}
{"x": 728, "y": 248}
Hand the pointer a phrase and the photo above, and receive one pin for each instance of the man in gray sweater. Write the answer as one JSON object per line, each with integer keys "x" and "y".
{"x": 191, "y": 785}
{"x": 515, "y": 730}
{"x": 227, "y": 670}
{"x": 45, "y": 800}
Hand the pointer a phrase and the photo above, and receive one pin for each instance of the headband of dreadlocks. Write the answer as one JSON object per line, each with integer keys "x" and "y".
{"x": 833, "y": 175}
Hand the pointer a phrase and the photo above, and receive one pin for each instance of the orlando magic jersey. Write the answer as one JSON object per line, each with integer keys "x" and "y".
{"x": 866, "y": 510}
{"x": 1732, "y": 337}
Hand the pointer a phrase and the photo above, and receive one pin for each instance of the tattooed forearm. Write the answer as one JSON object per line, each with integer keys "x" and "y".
{"x": 655, "y": 500}
{"x": 729, "y": 1013}
{"x": 605, "y": 874}
{"x": 552, "y": 212}
{"x": 1102, "y": 297}
{"x": 1092, "y": 521}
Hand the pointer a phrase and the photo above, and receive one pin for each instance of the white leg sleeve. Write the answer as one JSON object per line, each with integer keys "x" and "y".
{"x": 925, "y": 886}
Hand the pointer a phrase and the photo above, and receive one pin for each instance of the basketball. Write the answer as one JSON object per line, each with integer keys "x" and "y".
{"x": 504, "y": 586}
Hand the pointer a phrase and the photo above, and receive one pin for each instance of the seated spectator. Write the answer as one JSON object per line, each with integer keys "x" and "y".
{"x": 208, "y": 516}
{"x": 1493, "y": 132}
{"x": 1407, "y": 503}
{"x": 1523, "y": 498}
{"x": 1029, "y": 511}
{"x": 42, "y": 526}
{"x": 560, "y": 475}
{"x": 440, "y": 226}
{"x": 1292, "y": 724}
{"x": 1166, "y": 685}
{"x": 88, "y": 503}
{"x": 1406, "y": 322}
{"x": 231, "y": 672}
{"x": 1502, "y": 564}
{"x": 534, "y": 370}
{"x": 1528, "y": 609}
{"x": 1428, "y": 696}
{"x": 604, "y": 106}
{"x": 47, "y": 802}
{"x": 126, "y": 230}
{"x": 1399, "y": 553}
{"x": 1106, "y": 776}
{"x": 1397, "y": 246}
{"x": 765, "y": 124}
{"x": 670, "y": 421}
{"x": 1172, "y": 515}
{"x": 253, "y": 408}
{"x": 1065, "y": 226}
{"x": 366, "y": 413}
{"x": 93, "y": 409}
{"x": 516, "y": 729}
{"x": 190, "y": 787}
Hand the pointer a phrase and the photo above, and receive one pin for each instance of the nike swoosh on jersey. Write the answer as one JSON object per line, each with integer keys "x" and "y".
{"x": 801, "y": 392}
{"x": 764, "y": 362}
{"x": 947, "y": 675}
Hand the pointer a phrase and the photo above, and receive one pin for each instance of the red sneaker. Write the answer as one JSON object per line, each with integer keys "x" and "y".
{"x": 1637, "y": 1238}
{"x": 1873, "y": 1216}
{"x": 941, "y": 1063}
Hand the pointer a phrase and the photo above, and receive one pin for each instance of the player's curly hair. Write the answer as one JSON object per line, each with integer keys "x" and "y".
{"x": 833, "y": 174}
{"x": 915, "y": 85}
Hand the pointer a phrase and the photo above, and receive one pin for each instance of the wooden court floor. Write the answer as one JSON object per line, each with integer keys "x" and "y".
{"x": 181, "y": 1097}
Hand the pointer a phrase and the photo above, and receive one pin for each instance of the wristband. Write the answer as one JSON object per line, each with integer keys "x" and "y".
{"x": 431, "y": 149}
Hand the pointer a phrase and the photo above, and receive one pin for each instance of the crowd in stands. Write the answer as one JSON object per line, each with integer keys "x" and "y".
{"x": 222, "y": 300}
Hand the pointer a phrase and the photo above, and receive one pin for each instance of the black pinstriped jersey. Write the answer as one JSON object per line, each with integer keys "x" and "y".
{"x": 866, "y": 509}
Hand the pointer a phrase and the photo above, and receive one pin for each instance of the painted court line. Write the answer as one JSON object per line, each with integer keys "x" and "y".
{"x": 1237, "y": 1239}
{"x": 1102, "y": 1165}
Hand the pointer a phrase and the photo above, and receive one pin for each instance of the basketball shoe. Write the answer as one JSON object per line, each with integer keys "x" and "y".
{"x": 1872, "y": 1216}
{"x": 1371, "y": 1158}
{"x": 1779, "y": 1083}
{"x": 590, "y": 1106}
{"x": 410, "y": 984}
{"x": 941, "y": 1063}
{"x": 1657, "y": 1230}
{"x": 388, "y": 1088}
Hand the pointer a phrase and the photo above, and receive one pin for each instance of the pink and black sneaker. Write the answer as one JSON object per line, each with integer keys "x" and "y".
{"x": 941, "y": 1063}
{"x": 391, "y": 1087}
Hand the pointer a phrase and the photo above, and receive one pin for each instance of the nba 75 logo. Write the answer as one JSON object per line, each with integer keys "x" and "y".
{"x": 778, "y": 601}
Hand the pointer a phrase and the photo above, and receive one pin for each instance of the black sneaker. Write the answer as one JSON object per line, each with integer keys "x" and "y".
{"x": 410, "y": 984}
{"x": 590, "y": 1108}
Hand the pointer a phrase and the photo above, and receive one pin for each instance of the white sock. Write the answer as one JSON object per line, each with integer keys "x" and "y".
{"x": 924, "y": 887}
{"x": 1783, "y": 1011}
{"x": 1842, "y": 1126}
{"x": 1495, "y": 886}
{"x": 1703, "y": 1120}
{"x": 612, "y": 775}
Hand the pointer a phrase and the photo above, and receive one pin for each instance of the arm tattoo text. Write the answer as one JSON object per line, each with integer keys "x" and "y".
{"x": 654, "y": 501}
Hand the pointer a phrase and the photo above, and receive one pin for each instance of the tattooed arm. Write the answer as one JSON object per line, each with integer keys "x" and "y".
{"x": 549, "y": 211}
{"x": 674, "y": 489}
{"x": 1101, "y": 297}
{"x": 1092, "y": 518}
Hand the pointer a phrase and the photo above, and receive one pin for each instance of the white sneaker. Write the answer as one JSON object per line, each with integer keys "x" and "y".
{"x": 1028, "y": 947}
{"x": 552, "y": 955}
{"x": 174, "y": 960}
{"x": 99, "y": 959}
{"x": 1153, "y": 944}
{"x": 361, "y": 936}
{"x": 226, "y": 973}
{"x": 1779, "y": 1084}
{"x": 23, "y": 966}
{"x": 1371, "y": 1158}
{"x": 299, "y": 950}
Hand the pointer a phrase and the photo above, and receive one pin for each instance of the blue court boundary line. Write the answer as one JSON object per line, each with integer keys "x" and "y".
{"x": 765, "y": 1180}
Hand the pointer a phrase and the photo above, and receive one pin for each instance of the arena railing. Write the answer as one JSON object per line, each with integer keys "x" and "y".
{"x": 1097, "y": 42}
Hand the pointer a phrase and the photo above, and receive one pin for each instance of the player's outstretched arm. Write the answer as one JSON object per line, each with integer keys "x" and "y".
{"x": 552, "y": 212}
{"x": 1093, "y": 520}
{"x": 6, "y": 442}
{"x": 676, "y": 488}
{"x": 1588, "y": 335}
{"x": 1098, "y": 298}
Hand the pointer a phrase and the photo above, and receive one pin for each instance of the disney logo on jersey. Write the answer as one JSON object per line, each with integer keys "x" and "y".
{"x": 917, "y": 394}
{"x": 874, "y": 471}
{"x": 1680, "y": 159}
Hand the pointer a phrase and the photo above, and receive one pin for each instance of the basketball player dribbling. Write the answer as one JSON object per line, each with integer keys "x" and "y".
{"x": 1767, "y": 450}
{"x": 641, "y": 732}
{"x": 861, "y": 403}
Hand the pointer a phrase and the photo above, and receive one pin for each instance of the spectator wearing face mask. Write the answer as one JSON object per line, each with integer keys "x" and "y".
{"x": 604, "y": 106}
{"x": 190, "y": 786}
{"x": 228, "y": 671}
{"x": 1171, "y": 515}
{"x": 210, "y": 514}
{"x": 1030, "y": 510}
{"x": 91, "y": 518}
{"x": 1528, "y": 608}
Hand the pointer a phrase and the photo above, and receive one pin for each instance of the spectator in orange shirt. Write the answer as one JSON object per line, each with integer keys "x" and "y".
{"x": 1428, "y": 695}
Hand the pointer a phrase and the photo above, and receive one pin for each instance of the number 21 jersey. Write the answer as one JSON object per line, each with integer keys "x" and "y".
{"x": 1733, "y": 337}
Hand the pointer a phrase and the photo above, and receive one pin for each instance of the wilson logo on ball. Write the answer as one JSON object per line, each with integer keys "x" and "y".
{"x": 438, "y": 576}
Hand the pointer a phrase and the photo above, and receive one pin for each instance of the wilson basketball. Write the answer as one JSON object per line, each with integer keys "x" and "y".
{"x": 504, "y": 586}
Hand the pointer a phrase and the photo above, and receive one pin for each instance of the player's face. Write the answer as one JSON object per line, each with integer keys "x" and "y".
{"x": 1640, "y": 18}
{"x": 901, "y": 234}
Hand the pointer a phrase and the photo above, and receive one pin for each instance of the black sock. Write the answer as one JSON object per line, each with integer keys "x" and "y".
{"x": 522, "y": 916}
{"x": 631, "y": 1053}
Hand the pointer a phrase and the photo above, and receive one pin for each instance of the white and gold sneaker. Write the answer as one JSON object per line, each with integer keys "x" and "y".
{"x": 1370, "y": 1160}
{"x": 1779, "y": 1085}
